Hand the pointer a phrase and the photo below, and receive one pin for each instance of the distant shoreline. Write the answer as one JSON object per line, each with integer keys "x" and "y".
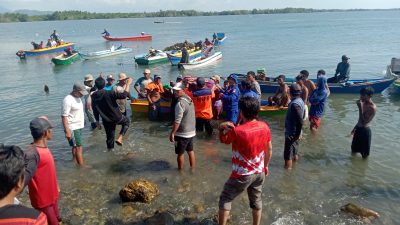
{"x": 84, "y": 15}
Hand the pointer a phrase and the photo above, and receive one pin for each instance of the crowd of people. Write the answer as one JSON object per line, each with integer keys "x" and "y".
{"x": 194, "y": 103}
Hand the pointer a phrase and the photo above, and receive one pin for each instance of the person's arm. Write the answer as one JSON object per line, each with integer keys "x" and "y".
{"x": 31, "y": 158}
{"x": 337, "y": 69}
{"x": 179, "y": 111}
{"x": 136, "y": 86}
{"x": 347, "y": 74}
{"x": 267, "y": 157}
{"x": 95, "y": 112}
{"x": 298, "y": 121}
{"x": 65, "y": 112}
{"x": 226, "y": 132}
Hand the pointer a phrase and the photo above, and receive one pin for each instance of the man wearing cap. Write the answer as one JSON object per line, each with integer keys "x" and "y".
{"x": 230, "y": 99}
{"x": 184, "y": 128}
{"x": 343, "y": 69}
{"x": 120, "y": 88}
{"x": 88, "y": 82}
{"x": 73, "y": 120}
{"x": 141, "y": 84}
{"x": 154, "y": 91}
{"x": 110, "y": 83}
{"x": 105, "y": 105}
{"x": 202, "y": 98}
{"x": 40, "y": 171}
{"x": 293, "y": 125}
{"x": 255, "y": 86}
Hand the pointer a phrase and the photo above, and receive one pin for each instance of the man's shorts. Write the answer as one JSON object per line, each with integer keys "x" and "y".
{"x": 235, "y": 186}
{"x": 183, "y": 144}
{"x": 315, "y": 122}
{"x": 291, "y": 148}
{"x": 76, "y": 139}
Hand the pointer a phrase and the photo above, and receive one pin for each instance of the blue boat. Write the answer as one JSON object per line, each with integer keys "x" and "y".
{"x": 175, "y": 58}
{"x": 58, "y": 48}
{"x": 221, "y": 37}
{"x": 350, "y": 87}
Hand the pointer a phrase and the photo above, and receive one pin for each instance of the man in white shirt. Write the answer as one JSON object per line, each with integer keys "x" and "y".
{"x": 72, "y": 115}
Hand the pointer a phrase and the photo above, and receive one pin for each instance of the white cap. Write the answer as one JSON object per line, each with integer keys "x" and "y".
{"x": 178, "y": 86}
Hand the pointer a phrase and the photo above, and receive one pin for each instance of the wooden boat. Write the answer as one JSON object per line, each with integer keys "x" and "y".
{"x": 141, "y": 106}
{"x": 220, "y": 39}
{"x": 148, "y": 59}
{"x": 272, "y": 110}
{"x": 199, "y": 62}
{"x": 175, "y": 58}
{"x": 105, "y": 53}
{"x": 58, "y": 48}
{"x": 142, "y": 37}
{"x": 63, "y": 59}
{"x": 350, "y": 87}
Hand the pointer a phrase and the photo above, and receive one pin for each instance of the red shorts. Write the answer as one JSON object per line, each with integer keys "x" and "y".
{"x": 315, "y": 122}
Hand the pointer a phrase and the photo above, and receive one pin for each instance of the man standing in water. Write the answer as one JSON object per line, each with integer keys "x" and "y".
{"x": 73, "y": 120}
{"x": 361, "y": 132}
{"x": 317, "y": 101}
{"x": 293, "y": 125}
{"x": 88, "y": 82}
{"x": 141, "y": 84}
{"x": 184, "y": 128}
{"x": 255, "y": 86}
{"x": 251, "y": 153}
{"x": 154, "y": 91}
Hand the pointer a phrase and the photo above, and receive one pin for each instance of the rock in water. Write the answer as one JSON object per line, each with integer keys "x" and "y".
{"x": 160, "y": 218}
{"x": 139, "y": 191}
{"x": 360, "y": 211}
{"x": 46, "y": 89}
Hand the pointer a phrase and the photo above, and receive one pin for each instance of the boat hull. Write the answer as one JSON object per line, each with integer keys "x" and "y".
{"x": 272, "y": 111}
{"x": 204, "y": 62}
{"x": 175, "y": 59}
{"x": 61, "y": 60}
{"x": 42, "y": 51}
{"x": 144, "y": 60}
{"x": 105, "y": 53}
{"x": 141, "y": 106}
{"x": 133, "y": 38}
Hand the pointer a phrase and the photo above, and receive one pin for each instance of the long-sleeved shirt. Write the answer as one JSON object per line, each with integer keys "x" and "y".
{"x": 294, "y": 118}
{"x": 105, "y": 105}
{"x": 230, "y": 99}
{"x": 343, "y": 69}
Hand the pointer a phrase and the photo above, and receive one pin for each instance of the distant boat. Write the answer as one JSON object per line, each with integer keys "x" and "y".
{"x": 147, "y": 59}
{"x": 159, "y": 21}
{"x": 200, "y": 62}
{"x": 63, "y": 59}
{"x": 142, "y": 37}
{"x": 220, "y": 39}
{"x": 58, "y": 48}
{"x": 105, "y": 53}
{"x": 175, "y": 58}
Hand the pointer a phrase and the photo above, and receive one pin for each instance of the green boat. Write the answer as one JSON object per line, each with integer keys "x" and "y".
{"x": 272, "y": 110}
{"x": 64, "y": 59}
{"x": 157, "y": 56}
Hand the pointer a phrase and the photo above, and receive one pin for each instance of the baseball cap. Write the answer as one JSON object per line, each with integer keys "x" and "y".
{"x": 344, "y": 57}
{"x": 157, "y": 77}
{"x": 80, "y": 88}
{"x": 178, "y": 86}
{"x": 110, "y": 77}
{"x": 122, "y": 76}
{"x": 216, "y": 78}
{"x": 88, "y": 77}
{"x": 39, "y": 125}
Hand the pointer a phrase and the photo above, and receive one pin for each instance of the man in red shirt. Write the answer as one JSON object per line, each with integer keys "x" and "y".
{"x": 251, "y": 153}
{"x": 40, "y": 171}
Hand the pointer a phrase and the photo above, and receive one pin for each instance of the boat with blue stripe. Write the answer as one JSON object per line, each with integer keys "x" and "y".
{"x": 175, "y": 58}
{"x": 58, "y": 48}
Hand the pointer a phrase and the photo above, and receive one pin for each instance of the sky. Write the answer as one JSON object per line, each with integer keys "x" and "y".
{"x": 200, "y": 5}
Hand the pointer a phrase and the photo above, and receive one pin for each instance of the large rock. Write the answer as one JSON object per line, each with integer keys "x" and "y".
{"x": 139, "y": 191}
{"x": 362, "y": 212}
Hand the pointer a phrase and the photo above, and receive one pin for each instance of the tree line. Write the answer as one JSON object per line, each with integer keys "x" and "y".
{"x": 84, "y": 15}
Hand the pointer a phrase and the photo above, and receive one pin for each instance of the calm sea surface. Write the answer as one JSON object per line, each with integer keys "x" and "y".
{"x": 325, "y": 178}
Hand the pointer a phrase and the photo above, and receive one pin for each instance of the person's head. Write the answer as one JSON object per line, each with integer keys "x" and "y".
{"x": 295, "y": 90}
{"x": 179, "y": 79}
{"x": 226, "y": 84}
{"x": 88, "y": 81}
{"x": 320, "y": 73}
{"x": 147, "y": 73}
{"x": 281, "y": 79}
{"x": 54, "y": 31}
{"x": 206, "y": 39}
{"x": 321, "y": 82}
{"x": 110, "y": 79}
{"x": 157, "y": 79}
{"x": 232, "y": 80}
{"x": 100, "y": 83}
{"x": 216, "y": 78}
{"x": 41, "y": 128}
{"x": 12, "y": 167}
{"x": 305, "y": 74}
{"x": 249, "y": 107}
{"x": 345, "y": 58}
{"x": 122, "y": 79}
{"x": 78, "y": 90}
{"x": 366, "y": 93}
{"x": 178, "y": 89}
{"x": 299, "y": 79}
{"x": 246, "y": 85}
{"x": 251, "y": 76}
{"x": 200, "y": 82}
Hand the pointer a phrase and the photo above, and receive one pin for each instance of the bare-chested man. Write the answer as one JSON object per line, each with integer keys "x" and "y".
{"x": 361, "y": 132}
{"x": 281, "y": 97}
{"x": 154, "y": 91}
{"x": 308, "y": 83}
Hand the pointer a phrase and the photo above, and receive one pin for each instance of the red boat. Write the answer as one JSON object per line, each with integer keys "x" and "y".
{"x": 143, "y": 37}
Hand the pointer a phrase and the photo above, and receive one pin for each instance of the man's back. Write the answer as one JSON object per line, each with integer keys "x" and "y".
{"x": 202, "y": 99}
{"x": 104, "y": 103}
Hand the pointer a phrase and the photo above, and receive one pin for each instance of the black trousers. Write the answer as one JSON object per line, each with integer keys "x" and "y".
{"x": 201, "y": 123}
{"x": 110, "y": 130}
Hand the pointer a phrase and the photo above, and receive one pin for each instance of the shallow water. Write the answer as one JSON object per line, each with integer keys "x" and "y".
{"x": 325, "y": 178}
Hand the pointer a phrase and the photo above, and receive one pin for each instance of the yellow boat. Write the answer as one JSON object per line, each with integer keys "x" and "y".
{"x": 142, "y": 106}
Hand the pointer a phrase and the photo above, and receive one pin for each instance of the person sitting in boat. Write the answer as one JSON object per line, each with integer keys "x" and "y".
{"x": 53, "y": 43}
{"x": 152, "y": 52}
{"x": 106, "y": 33}
{"x": 261, "y": 75}
{"x": 207, "y": 43}
{"x": 41, "y": 45}
{"x": 343, "y": 69}
{"x": 35, "y": 45}
{"x": 198, "y": 45}
{"x": 68, "y": 51}
{"x": 281, "y": 97}
{"x": 142, "y": 33}
{"x": 55, "y": 36}
{"x": 48, "y": 45}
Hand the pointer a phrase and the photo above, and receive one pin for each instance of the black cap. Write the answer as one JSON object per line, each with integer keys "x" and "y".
{"x": 201, "y": 82}
{"x": 39, "y": 125}
{"x": 344, "y": 57}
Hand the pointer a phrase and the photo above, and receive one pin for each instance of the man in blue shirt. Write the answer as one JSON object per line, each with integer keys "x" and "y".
{"x": 343, "y": 69}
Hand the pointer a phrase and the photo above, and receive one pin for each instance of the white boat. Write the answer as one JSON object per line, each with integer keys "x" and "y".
{"x": 105, "y": 53}
{"x": 199, "y": 62}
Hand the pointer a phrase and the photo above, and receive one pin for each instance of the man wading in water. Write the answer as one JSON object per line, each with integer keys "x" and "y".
{"x": 361, "y": 132}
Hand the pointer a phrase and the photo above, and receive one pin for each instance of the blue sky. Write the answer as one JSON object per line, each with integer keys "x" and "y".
{"x": 201, "y": 5}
